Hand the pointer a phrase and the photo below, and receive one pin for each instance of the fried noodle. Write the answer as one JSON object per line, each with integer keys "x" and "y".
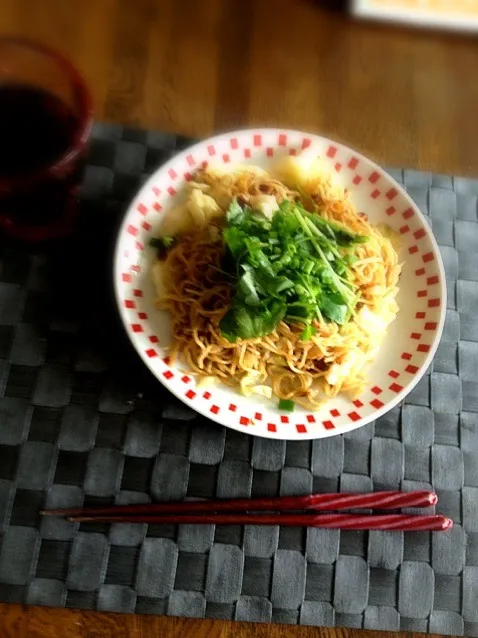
{"x": 198, "y": 295}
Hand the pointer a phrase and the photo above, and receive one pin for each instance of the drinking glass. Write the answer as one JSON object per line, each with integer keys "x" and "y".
{"x": 45, "y": 121}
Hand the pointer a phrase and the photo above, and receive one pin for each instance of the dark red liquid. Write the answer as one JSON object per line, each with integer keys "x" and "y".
{"x": 37, "y": 130}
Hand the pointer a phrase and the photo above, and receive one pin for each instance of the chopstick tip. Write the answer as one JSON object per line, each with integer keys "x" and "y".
{"x": 447, "y": 523}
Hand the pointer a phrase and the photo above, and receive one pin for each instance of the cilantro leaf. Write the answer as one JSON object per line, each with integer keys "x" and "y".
{"x": 245, "y": 322}
{"x": 248, "y": 290}
{"x": 334, "y": 309}
{"x": 235, "y": 213}
{"x": 295, "y": 266}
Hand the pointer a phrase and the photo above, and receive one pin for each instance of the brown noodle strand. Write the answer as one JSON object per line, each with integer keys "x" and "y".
{"x": 198, "y": 296}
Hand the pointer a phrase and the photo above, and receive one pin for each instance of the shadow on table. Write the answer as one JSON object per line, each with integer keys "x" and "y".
{"x": 66, "y": 301}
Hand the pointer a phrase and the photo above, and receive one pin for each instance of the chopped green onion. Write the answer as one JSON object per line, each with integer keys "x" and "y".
{"x": 309, "y": 266}
{"x": 285, "y": 404}
{"x": 307, "y": 333}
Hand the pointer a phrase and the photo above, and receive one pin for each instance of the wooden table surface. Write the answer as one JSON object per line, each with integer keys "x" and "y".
{"x": 405, "y": 98}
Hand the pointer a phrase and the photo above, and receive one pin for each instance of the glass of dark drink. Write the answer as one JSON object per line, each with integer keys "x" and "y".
{"x": 45, "y": 121}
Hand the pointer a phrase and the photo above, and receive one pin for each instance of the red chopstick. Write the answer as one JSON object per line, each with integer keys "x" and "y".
{"x": 318, "y": 502}
{"x": 397, "y": 522}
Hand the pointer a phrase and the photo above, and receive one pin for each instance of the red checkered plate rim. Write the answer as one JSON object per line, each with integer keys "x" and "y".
{"x": 411, "y": 341}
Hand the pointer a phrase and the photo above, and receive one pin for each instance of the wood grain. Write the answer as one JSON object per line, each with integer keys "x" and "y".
{"x": 406, "y": 98}
{"x": 18, "y": 621}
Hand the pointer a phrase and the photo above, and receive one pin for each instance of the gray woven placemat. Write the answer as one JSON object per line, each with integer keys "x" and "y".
{"x": 83, "y": 421}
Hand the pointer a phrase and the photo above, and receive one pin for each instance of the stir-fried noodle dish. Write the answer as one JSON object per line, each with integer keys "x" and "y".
{"x": 276, "y": 285}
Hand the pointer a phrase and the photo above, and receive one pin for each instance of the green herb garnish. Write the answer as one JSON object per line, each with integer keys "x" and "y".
{"x": 308, "y": 332}
{"x": 162, "y": 244}
{"x": 285, "y": 404}
{"x": 247, "y": 322}
{"x": 295, "y": 267}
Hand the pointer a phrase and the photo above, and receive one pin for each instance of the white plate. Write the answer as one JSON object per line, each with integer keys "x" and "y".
{"x": 405, "y": 353}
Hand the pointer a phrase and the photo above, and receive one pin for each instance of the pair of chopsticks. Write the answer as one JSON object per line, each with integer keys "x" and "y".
{"x": 285, "y": 510}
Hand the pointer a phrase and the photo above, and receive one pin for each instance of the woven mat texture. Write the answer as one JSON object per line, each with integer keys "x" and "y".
{"x": 83, "y": 422}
